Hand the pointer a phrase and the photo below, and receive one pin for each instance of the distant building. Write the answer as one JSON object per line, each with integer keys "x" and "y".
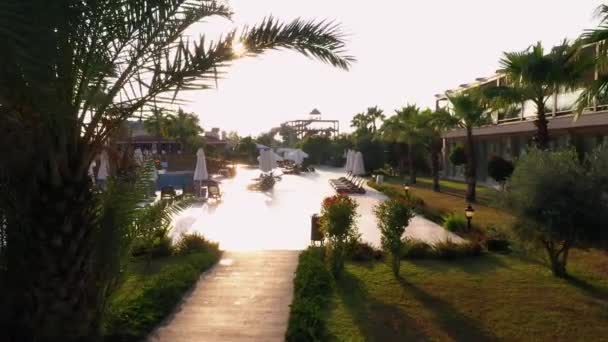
{"x": 512, "y": 131}
{"x": 135, "y": 135}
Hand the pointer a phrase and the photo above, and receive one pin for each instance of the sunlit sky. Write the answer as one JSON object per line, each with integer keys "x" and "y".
{"x": 406, "y": 52}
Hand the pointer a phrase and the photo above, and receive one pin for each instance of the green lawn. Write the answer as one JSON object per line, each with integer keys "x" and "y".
{"x": 494, "y": 297}
{"x": 485, "y": 195}
{"x": 451, "y": 200}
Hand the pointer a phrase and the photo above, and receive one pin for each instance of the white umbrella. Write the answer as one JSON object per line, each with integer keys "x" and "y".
{"x": 266, "y": 160}
{"x": 297, "y": 156}
{"x": 138, "y": 156}
{"x": 358, "y": 165}
{"x": 349, "y": 161}
{"x": 104, "y": 167}
{"x": 200, "y": 172}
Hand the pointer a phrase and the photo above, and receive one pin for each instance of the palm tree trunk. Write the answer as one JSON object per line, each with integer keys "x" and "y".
{"x": 435, "y": 167}
{"x": 53, "y": 285}
{"x": 410, "y": 163}
{"x": 542, "y": 126}
{"x": 471, "y": 167}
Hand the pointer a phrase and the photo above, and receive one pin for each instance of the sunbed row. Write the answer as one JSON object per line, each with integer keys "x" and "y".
{"x": 348, "y": 184}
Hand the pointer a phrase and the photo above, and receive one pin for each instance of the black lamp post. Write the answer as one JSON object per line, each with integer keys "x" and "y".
{"x": 468, "y": 213}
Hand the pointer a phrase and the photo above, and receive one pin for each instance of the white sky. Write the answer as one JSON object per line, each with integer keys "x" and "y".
{"x": 406, "y": 51}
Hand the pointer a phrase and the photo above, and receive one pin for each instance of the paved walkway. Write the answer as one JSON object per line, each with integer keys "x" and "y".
{"x": 429, "y": 232}
{"x": 245, "y": 297}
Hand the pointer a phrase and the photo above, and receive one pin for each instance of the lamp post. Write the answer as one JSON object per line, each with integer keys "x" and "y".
{"x": 468, "y": 213}
{"x": 406, "y": 187}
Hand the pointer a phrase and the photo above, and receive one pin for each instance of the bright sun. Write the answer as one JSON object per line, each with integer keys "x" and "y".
{"x": 239, "y": 49}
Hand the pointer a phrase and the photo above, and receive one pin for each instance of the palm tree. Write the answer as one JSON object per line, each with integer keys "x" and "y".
{"x": 536, "y": 76}
{"x": 405, "y": 127}
{"x": 185, "y": 128}
{"x": 598, "y": 89}
{"x": 360, "y": 122}
{"x": 68, "y": 80}
{"x": 157, "y": 124}
{"x": 373, "y": 115}
{"x": 433, "y": 124}
{"x": 470, "y": 110}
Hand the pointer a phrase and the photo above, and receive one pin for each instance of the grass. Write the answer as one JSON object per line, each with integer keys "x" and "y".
{"x": 452, "y": 202}
{"x": 485, "y": 195}
{"x": 150, "y": 292}
{"x": 496, "y": 297}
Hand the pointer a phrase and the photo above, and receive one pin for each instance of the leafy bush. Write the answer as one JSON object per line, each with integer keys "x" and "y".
{"x": 458, "y": 156}
{"x": 192, "y": 243}
{"x": 363, "y": 251}
{"x": 451, "y": 250}
{"x": 557, "y": 201}
{"x": 500, "y": 169}
{"x": 497, "y": 240}
{"x": 161, "y": 247}
{"x": 312, "y": 289}
{"x": 455, "y": 223}
{"x": 142, "y": 304}
{"x": 337, "y": 221}
{"x": 416, "y": 249}
{"x": 152, "y": 226}
{"x": 393, "y": 217}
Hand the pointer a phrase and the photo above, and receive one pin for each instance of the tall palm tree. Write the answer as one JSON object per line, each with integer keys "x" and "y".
{"x": 405, "y": 127}
{"x": 360, "y": 122}
{"x": 598, "y": 89}
{"x": 373, "y": 115}
{"x": 433, "y": 124}
{"x": 536, "y": 76}
{"x": 68, "y": 80}
{"x": 470, "y": 110}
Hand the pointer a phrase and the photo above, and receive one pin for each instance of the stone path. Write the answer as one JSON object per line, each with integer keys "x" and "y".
{"x": 245, "y": 297}
{"x": 429, "y": 232}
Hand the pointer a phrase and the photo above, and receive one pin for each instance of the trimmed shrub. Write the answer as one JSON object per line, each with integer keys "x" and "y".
{"x": 451, "y": 250}
{"x": 393, "y": 217}
{"x": 500, "y": 169}
{"x": 162, "y": 247}
{"x": 455, "y": 223}
{"x": 312, "y": 289}
{"x": 337, "y": 220}
{"x": 363, "y": 251}
{"x": 458, "y": 156}
{"x": 416, "y": 249}
{"x": 135, "y": 311}
{"x": 195, "y": 242}
{"x": 497, "y": 240}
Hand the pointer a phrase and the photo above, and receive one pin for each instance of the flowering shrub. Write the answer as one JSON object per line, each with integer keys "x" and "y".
{"x": 337, "y": 220}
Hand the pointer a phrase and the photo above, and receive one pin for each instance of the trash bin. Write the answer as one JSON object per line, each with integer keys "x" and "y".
{"x": 379, "y": 179}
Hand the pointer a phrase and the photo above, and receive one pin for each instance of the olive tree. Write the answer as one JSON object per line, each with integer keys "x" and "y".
{"x": 556, "y": 202}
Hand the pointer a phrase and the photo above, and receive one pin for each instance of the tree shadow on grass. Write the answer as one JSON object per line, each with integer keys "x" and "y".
{"x": 473, "y": 265}
{"x": 600, "y": 294}
{"x": 452, "y": 322}
{"x": 377, "y": 320}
